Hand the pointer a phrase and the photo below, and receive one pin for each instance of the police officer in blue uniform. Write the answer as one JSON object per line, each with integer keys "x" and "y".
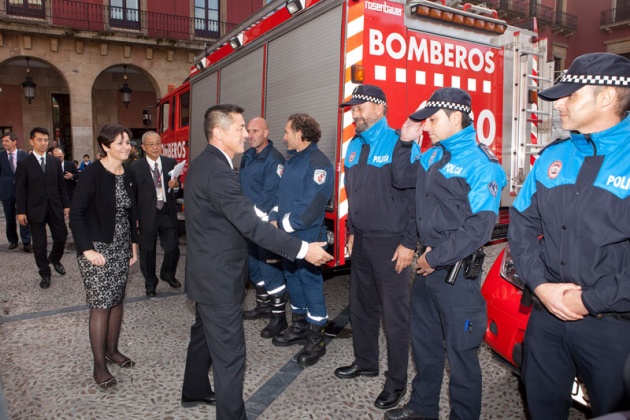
{"x": 260, "y": 172}
{"x": 382, "y": 240}
{"x": 305, "y": 189}
{"x": 569, "y": 236}
{"x": 458, "y": 184}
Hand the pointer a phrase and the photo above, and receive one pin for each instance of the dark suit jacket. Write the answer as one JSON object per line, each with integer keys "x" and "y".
{"x": 71, "y": 184}
{"x": 7, "y": 177}
{"x": 35, "y": 190}
{"x": 93, "y": 211}
{"x": 218, "y": 219}
{"x": 144, "y": 191}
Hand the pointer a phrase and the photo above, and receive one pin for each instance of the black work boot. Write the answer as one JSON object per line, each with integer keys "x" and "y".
{"x": 278, "y": 321}
{"x": 263, "y": 305}
{"x": 295, "y": 334}
{"x": 314, "y": 348}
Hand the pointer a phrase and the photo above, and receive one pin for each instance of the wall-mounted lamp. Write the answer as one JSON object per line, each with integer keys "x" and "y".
{"x": 28, "y": 86}
{"x": 125, "y": 91}
{"x": 236, "y": 41}
{"x": 294, "y": 6}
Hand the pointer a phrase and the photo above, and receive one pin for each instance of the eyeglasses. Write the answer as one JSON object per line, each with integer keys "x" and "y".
{"x": 153, "y": 144}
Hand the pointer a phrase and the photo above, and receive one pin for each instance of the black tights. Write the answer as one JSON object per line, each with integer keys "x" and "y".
{"x": 104, "y": 334}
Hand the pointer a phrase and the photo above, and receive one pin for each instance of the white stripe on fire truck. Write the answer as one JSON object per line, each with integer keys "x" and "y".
{"x": 355, "y": 27}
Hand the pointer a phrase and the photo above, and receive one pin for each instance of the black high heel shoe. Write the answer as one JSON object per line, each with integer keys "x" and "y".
{"x": 127, "y": 363}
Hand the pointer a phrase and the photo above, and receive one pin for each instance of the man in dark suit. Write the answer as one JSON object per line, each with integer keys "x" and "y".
{"x": 155, "y": 194}
{"x": 218, "y": 220}
{"x": 69, "y": 169}
{"x": 42, "y": 199}
{"x": 8, "y": 167}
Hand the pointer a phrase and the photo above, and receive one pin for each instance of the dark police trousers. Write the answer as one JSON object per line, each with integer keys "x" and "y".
{"x": 552, "y": 350}
{"x": 447, "y": 321}
{"x": 376, "y": 287}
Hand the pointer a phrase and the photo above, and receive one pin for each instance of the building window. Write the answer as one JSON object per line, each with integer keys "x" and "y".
{"x": 207, "y": 18}
{"x": 124, "y": 14}
{"x": 29, "y": 8}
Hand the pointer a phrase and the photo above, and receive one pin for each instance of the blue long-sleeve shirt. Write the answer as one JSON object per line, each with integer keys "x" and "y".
{"x": 571, "y": 221}
{"x": 458, "y": 190}
{"x": 375, "y": 207}
{"x": 260, "y": 175}
{"x": 304, "y": 191}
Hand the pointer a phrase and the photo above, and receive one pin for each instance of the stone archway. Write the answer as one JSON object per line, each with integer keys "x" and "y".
{"x": 49, "y": 109}
{"x": 107, "y": 100}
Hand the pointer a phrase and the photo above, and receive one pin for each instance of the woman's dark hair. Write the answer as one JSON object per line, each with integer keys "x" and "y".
{"x": 108, "y": 135}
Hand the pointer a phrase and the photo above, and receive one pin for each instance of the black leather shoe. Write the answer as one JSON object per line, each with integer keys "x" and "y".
{"x": 405, "y": 413}
{"x": 12, "y": 245}
{"x": 59, "y": 268}
{"x": 352, "y": 371}
{"x": 191, "y": 402}
{"x": 27, "y": 248}
{"x": 174, "y": 283}
{"x": 389, "y": 398}
{"x": 151, "y": 293}
{"x": 45, "y": 283}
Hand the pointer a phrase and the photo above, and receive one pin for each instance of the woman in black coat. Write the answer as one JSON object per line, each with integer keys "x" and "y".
{"x": 102, "y": 219}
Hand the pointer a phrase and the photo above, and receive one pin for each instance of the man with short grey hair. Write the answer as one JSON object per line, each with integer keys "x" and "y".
{"x": 155, "y": 192}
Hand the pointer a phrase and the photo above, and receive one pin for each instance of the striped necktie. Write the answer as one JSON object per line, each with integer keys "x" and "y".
{"x": 158, "y": 184}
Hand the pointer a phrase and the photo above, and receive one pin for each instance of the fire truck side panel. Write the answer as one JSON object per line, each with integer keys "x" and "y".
{"x": 303, "y": 76}
{"x": 241, "y": 83}
{"x": 203, "y": 95}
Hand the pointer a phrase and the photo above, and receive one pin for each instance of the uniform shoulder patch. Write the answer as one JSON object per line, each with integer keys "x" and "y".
{"x": 319, "y": 176}
{"x": 280, "y": 170}
{"x": 486, "y": 150}
{"x": 493, "y": 187}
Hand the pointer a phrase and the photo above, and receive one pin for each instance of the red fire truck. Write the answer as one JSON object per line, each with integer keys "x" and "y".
{"x": 308, "y": 55}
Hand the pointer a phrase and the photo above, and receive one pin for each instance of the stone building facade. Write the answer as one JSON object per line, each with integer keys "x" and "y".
{"x": 79, "y": 52}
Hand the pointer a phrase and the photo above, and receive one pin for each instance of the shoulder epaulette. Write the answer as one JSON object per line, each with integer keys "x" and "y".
{"x": 556, "y": 141}
{"x": 486, "y": 150}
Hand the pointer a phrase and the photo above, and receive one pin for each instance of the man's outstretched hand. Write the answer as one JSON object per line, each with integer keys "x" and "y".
{"x": 316, "y": 254}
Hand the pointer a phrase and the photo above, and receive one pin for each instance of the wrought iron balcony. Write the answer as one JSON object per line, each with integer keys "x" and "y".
{"x": 614, "y": 17}
{"x": 565, "y": 22}
{"x": 543, "y": 13}
{"x": 82, "y": 16}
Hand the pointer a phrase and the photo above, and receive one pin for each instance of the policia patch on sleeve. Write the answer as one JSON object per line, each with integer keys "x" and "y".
{"x": 488, "y": 152}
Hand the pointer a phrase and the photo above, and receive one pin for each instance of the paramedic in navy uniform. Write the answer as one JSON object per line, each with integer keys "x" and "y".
{"x": 570, "y": 239}
{"x": 303, "y": 194}
{"x": 261, "y": 169}
{"x": 382, "y": 239}
{"x": 458, "y": 186}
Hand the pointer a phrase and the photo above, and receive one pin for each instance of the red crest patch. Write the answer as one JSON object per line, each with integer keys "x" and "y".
{"x": 554, "y": 169}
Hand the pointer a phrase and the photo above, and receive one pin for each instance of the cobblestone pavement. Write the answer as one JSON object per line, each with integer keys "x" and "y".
{"x": 45, "y": 358}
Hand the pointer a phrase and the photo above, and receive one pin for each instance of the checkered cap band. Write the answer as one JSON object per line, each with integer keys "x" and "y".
{"x": 368, "y": 98}
{"x": 590, "y": 79}
{"x": 448, "y": 105}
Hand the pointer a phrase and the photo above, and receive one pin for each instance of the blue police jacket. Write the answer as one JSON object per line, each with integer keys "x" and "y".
{"x": 260, "y": 175}
{"x": 571, "y": 221}
{"x": 375, "y": 207}
{"x": 304, "y": 191}
{"x": 458, "y": 191}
